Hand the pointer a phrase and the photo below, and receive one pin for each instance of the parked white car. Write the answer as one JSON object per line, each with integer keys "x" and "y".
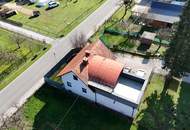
{"x": 43, "y": 3}
{"x": 53, "y": 4}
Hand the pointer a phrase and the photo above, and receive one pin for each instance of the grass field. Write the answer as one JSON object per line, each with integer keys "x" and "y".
{"x": 111, "y": 22}
{"x": 47, "y": 108}
{"x": 15, "y": 60}
{"x": 61, "y": 20}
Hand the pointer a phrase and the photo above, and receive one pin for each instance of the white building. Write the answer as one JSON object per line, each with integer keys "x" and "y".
{"x": 95, "y": 74}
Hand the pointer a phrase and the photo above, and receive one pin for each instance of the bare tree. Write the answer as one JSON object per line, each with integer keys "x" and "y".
{"x": 17, "y": 39}
{"x": 126, "y": 4}
{"x": 79, "y": 41}
{"x": 163, "y": 34}
{"x": 15, "y": 121}
{"x": 8, "y": 56}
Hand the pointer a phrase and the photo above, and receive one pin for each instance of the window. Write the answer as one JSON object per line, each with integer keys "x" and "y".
{"x": 75, "y": 77}
{"x": 84, "y": 90}
{"x": 69, "y": 84}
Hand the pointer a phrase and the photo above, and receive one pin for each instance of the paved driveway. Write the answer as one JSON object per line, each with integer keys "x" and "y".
{"x": 156, "y": 64}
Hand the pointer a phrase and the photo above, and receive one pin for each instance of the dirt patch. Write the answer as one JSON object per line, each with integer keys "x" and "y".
{"x": 18, "y": 8}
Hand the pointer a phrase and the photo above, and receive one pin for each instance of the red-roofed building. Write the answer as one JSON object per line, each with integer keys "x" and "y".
{"x": 95, "y": 74}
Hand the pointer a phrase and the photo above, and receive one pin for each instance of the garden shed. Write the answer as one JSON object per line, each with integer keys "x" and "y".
{"x": 147, "y": 37}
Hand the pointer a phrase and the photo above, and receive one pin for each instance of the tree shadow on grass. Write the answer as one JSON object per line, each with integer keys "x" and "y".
{"x": 83, "y": 116}
{"x": 159, "y": 114}
{"x": 143, "y": 47}
{"x": 183, "y": 108}
{"x": 174, "y": 84}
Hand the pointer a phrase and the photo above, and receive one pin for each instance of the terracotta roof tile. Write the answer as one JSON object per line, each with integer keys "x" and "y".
{"x": 82, "y": 71}
{"x": 103, "y": 70}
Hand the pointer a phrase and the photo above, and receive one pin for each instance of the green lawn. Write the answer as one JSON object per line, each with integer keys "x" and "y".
{"x": 47, "y": 107}
{"x": 130, "y": 45}
{"x": 156, "y": 84}
{"x": 54, "y": 75}
{"x": 61, "y": 20}
{"x": 114, "y": 39}
{"x": 15, "y": 60}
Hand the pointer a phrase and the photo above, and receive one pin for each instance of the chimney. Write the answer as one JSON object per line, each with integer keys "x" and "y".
{"x": 87, "y": 53}
{"x": 85, "y": 61}
{"x": 83, "y": 64}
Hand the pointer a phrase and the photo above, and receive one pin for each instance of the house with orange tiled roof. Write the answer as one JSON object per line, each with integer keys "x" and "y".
{"x": 95, "y": 74}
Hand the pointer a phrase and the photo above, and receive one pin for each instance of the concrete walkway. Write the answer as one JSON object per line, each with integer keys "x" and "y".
{"x": 25, "y": 32}
{"x": 13, "y": 94}
{"x": 186, "y": 78}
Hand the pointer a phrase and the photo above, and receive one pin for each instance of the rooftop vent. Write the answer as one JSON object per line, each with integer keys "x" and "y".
{"x": 85, "y": 60}
{"x": 84, "y": 63}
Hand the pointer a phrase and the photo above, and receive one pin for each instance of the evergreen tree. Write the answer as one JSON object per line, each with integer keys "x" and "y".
{"x": 177, "y": 58}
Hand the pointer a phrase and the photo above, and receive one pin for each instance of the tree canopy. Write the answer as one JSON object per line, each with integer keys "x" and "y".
{"x": 177, "y": 57}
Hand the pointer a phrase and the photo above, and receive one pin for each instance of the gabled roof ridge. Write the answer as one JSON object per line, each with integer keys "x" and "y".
{"x": 82, "y": 71}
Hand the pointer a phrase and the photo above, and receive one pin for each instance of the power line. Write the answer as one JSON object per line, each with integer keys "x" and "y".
{"x": 67, "y": 112}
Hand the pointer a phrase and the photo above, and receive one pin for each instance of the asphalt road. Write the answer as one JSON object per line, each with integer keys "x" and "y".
{"x": 14, "y": 92}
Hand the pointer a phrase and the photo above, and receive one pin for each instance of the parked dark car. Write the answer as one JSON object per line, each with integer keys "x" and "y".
{"x": 7, "y": 13}
{"x": 36, "y": 13}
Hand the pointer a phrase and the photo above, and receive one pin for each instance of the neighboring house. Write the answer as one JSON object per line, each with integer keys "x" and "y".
{"x": 160, "y": 14}
{"x": 95, "y": 75}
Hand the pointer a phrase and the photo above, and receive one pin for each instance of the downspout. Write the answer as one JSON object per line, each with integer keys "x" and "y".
{"x": 133, "y": 112}
{"x": 95, "y": 97}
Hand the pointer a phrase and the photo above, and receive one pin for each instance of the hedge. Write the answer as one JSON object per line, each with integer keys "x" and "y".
{"x": 117, "y": 32}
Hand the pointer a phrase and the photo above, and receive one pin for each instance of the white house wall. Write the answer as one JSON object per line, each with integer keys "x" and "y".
{"x": 115, "y": 105}
{"x": 77, "y": 86}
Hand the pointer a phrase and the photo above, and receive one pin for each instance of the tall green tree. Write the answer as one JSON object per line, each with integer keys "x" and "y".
{"x": 159, "y": 114}
{"x": 177, "y": 58}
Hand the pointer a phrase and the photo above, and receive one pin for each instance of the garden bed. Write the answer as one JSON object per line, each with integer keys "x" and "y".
{"x": 17, "y": 54}
{"x": 130, "y": 45}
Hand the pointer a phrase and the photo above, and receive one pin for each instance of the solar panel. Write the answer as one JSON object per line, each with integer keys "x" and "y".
{"x": 166, "y": 6}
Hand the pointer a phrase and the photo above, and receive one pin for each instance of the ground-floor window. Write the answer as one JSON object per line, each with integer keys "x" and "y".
{"x": 84, "y": 90}
{"x": 69, "y": 84}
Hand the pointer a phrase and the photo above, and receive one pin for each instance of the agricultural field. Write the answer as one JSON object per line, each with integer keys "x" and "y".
{"x": 50, "y": 108}
{"x": 17, "y": 53}
{"x": 58, "y": 21}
